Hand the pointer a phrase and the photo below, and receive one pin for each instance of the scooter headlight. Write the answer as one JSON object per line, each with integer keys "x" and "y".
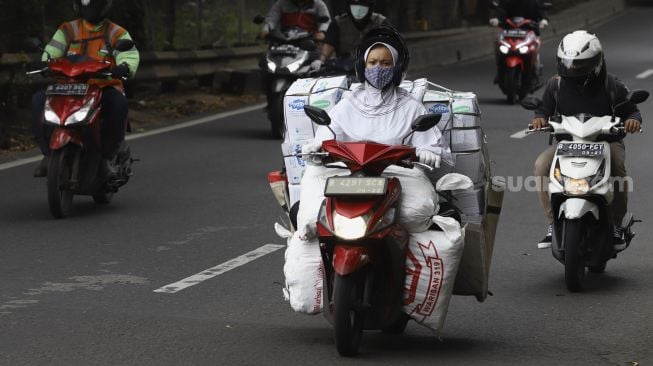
{"x": 523, "y": 50}
{"x": 576, "y": 187}
{"x": 504, "y": 49}
{"x": 50, "y": 115}
{"x": 272, "y": 66}
{"x": 295, "y": 65}
{"x": 349, "y": 229}
{"x": 81, "y": 114}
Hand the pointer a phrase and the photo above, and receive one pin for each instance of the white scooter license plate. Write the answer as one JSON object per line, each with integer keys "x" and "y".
{"x": 67, "y": 89}
{"x": 580, "y": 149}
{"x": 359, "y": 186}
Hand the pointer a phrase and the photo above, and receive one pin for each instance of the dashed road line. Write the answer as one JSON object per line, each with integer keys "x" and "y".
{"x": 645, "y": 74}
{"x": 519, "y": 135}
{"x": 219, "y": 269}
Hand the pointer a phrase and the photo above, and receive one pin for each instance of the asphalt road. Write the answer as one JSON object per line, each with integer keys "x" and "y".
{"x": 81, "y": 291}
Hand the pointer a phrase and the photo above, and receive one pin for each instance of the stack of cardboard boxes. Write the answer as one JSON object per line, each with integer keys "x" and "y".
{"x": 318, "y": 92}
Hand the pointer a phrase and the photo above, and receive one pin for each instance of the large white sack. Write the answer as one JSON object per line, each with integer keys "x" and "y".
{"x": 417, "y": 203}
{"x": 431, "y": 266}
{"x": 304, "y": 272}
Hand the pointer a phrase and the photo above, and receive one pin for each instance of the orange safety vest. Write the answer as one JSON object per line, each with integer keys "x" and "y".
{"x": 94, "y": 44}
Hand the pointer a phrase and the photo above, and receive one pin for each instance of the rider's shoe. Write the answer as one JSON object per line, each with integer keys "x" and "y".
{"x": 107, "y": 170}
{"x": 618, "y": 242}
{"x": 42, "y": 169}
{"x": 546, "y": 241}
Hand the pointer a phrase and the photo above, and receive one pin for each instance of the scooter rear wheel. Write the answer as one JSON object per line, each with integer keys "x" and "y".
{"x": 60, "y": 197}
{"x": 574, "y": 242}
{"x": 348, "y": 317}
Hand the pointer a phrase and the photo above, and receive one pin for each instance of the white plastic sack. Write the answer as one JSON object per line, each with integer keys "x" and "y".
{"x": 431, "y": 266}
{"x": 417, "y": 203}
{"x": 304, "y": 272}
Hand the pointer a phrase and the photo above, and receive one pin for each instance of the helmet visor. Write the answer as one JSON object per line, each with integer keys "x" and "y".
{"x": 574, "y": 67}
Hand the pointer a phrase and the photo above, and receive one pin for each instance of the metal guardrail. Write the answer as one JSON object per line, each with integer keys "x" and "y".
{"x": 427, "y": 49}
{"x": 156, "y": 66}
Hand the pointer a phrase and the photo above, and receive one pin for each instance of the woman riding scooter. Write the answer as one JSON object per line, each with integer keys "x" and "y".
{"x": 379, "y": 110}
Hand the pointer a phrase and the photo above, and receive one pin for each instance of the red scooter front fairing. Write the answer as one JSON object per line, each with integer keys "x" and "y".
{"x": 363, "y": 248}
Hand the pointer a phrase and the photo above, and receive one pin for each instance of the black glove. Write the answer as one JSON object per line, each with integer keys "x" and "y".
{"x": 120, "y": 72}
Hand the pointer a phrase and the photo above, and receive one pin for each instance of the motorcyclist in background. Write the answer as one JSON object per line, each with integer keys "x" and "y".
{"x": 346, "y": 32}
{"x": 91, "y": 35}
{"x": 297, "y": 13}
{"x": 584, "y": 86}
{"x": 528, "y": 9}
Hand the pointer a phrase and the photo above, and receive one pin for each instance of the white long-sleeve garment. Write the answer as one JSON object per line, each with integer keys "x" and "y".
{"x": 368, "y": 114}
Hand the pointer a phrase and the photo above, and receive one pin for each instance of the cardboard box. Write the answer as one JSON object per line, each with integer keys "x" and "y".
{"x": 472, "y": 165}
{"x": 301, "y": 87}
{"x": 466, "y": 120}
{"x": 471, "y": 202}
{"x": 463, "y": 140}
{"x": 322, "y": 84}
{"x": 298, "y": 125}
{"x": 295, "y": 165}
{"x": 294, "y": 191}
{"x": 466, "y": 105}
{"x": 326, "y": 99}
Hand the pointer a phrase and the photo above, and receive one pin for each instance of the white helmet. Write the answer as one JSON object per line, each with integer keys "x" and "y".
{"x": 580, "y": 55}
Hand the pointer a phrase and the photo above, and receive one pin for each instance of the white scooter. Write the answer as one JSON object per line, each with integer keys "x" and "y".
{"x": 580, "y": 190}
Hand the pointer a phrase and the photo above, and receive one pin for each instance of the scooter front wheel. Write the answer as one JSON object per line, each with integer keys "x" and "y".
{"x": 512, "y": 84}
{"x": 60, "y": 195}
{"x": 275, "y": 114}
{"x": 574, "y": 242}
{"x": 348, "y": 317}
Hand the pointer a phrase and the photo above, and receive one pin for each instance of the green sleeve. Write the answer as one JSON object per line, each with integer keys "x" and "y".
{"x": 56, "y": 47}
{"x": 131, "y": 58}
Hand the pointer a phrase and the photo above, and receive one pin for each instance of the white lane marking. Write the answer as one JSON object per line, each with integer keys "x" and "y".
{"x": 519, "y": 135}
{"x": 195, "y": 122}
{"x": 219, "y": 269}
{"x": 645, "y": 74}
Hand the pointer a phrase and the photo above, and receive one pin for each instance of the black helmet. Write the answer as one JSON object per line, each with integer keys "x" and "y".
{"x": 389, "y": 35}
{"x": 93, "y": 11}
{"x": 360, "y": 11}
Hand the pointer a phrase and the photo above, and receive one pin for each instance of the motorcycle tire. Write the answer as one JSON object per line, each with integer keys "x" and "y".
{"x": 511, "y": 84}
{"x": 348, "y": 318}
{"x": 60, "y": 197}
{"x": 598, "y": 268}
{"x": 574, "y": 242}
{"x": 275, "y": 114}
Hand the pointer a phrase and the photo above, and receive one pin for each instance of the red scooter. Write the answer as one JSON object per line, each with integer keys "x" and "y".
{"x": 363, "y": 247}
{"x": 73, "y": 109}
{"x": 517, "y": 49}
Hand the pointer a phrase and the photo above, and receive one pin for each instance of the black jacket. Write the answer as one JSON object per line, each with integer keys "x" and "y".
{"x": 529, "y": 9}
{"x": 594, "y": 99}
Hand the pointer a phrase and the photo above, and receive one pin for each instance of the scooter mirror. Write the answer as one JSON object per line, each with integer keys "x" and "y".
{"x": 426, "y": 122}
{"x": 638, "y": 96}
{"x": 531, "y": 103}
{"x": 258, "y": 19}
{"x": 317, "y": 115}
{"x": 123, "y": 45}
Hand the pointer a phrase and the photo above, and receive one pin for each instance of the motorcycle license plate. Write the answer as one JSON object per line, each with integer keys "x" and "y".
{"x": 67, "y": 89}
{"x": 350, "y": 186}
{"x": 580, "y": 149}
{"x": 515, "y": 33}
